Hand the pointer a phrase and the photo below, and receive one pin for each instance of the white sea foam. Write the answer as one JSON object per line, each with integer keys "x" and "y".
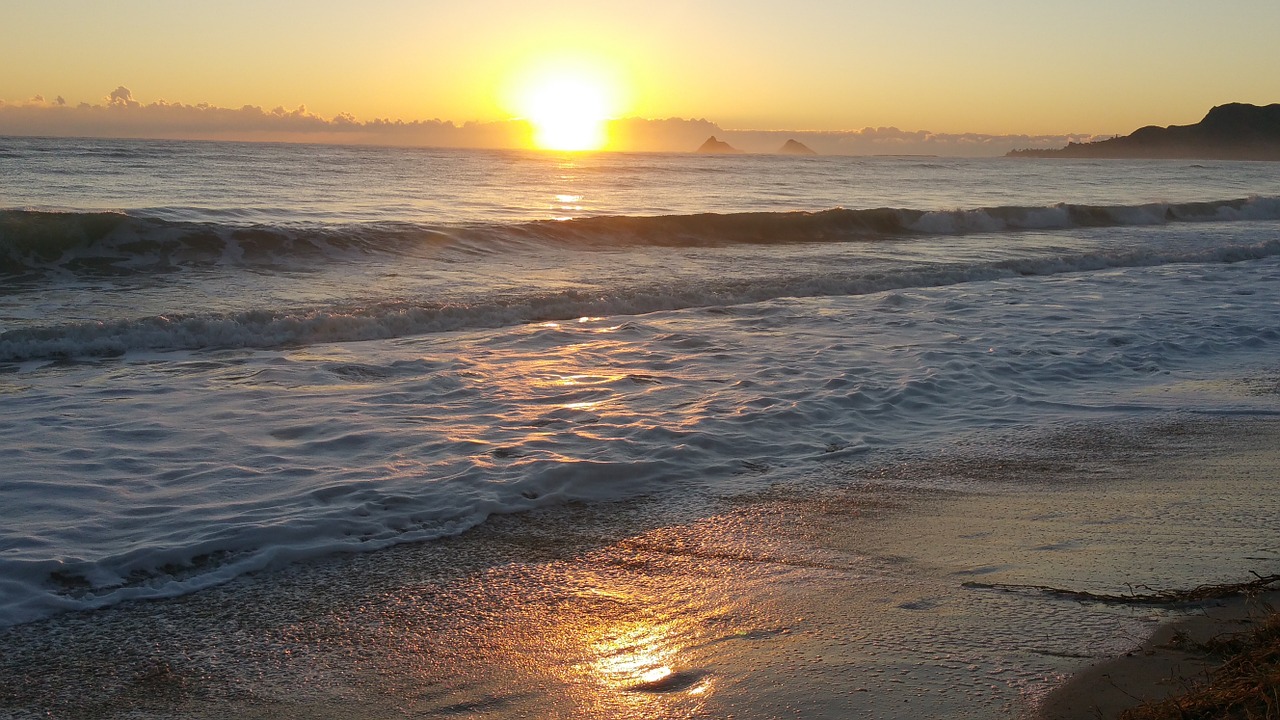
{"x": 232, "y": 377}
{"x": 171, "y": 473}
{"x": 259, "y": 328}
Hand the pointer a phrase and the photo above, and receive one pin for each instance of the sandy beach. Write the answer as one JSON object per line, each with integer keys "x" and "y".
{"x": 838, "y": 602}
{"x": 1171, "y": 662}
{"x": 565, "y": 361}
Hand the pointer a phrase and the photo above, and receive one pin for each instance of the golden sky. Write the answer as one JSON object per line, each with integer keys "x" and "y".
{"x": 988, "y": 66}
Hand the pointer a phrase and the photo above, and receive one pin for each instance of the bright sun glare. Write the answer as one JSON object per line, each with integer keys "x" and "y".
{"x": 567, "y": 107}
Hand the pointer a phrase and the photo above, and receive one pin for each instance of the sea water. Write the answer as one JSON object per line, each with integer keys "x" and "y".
{"x": 217, "y": 358}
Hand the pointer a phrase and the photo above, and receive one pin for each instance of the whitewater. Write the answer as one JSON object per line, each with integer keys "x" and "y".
{"x": 219, "y": 358}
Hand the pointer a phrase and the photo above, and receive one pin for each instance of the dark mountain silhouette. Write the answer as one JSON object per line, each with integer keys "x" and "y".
{"x": 712, "y": 145}
{"x": 795, "y": 147}
{"x": 1235, "y": 131}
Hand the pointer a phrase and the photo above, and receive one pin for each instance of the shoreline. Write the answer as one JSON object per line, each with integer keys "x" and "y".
{"x": 819, "y": 602}
{"x": 1166, "y": 665}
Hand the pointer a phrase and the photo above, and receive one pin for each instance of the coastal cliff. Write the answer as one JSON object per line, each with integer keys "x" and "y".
{"x": 1236, "y": 131}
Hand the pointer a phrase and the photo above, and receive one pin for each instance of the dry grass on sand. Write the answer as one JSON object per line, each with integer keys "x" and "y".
{"x": 1245, "y": 686}
{"x": 1220, "y": 661}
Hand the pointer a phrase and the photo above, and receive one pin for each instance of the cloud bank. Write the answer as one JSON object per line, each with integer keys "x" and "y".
{"x": 120, "y": 115}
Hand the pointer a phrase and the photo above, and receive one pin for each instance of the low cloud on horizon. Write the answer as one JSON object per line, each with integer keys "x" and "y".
{"x": 120, "y": 115}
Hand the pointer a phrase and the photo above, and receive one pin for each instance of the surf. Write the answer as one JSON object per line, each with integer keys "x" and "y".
{"x": 42, "y": 245}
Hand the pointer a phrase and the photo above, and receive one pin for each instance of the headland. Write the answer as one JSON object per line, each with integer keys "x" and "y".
{"x": 1235, "y": 131}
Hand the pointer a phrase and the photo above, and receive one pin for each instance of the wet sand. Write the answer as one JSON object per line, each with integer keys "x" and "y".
{"x": 844, "y": 599}
{"x": 1165, "y": 665}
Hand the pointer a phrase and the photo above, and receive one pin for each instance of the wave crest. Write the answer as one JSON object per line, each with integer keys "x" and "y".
{"x": 36, "y": 244}
{"x": 263, "y": 329}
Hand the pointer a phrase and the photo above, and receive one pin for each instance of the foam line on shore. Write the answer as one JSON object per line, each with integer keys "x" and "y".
{"x": 825, "y": 604}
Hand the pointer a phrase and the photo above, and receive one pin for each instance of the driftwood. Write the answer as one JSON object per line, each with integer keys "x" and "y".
{"x": 1144, "y": 595}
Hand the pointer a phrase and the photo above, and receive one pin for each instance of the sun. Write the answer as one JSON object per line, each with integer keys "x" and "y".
{"x": 567, "y": 105}
{"x": 568, "y": 113}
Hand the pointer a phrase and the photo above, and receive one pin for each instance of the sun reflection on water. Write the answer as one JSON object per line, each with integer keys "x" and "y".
{"x": 628, "y": 630}
{"x": 583, "y": 405}
{"x": 633, "y": 656}
{"x": 637, "y": 666}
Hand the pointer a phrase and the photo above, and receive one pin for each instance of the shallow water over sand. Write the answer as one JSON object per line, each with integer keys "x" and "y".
{"x": 219, "y": 359}
{"x": 819, "y": 603}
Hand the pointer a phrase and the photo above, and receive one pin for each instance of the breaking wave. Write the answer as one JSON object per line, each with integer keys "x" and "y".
{"x": 38, "y": 244}
{"x": 265, "y": 329}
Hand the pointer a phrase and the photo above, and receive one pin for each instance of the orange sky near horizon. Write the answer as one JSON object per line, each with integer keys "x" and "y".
{"x": 991, "y": 66}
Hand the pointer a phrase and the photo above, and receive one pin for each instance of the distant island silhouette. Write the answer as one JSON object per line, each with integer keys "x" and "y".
{"x": 795, "y": 147}
{"x": 1236, "y": 131}
{"x": 712, "y": 145}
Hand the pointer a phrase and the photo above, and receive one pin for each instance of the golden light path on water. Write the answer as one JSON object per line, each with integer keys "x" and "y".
{"x": 625, "y": 631}
{"x": 848, "y": 604}
{"x": 638, "y": 668}
{"x": 623, "y": 645}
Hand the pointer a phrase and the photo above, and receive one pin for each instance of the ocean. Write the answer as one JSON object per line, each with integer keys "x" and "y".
{"x": 221, "y": 358}
{"x": 320, "y": 431}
